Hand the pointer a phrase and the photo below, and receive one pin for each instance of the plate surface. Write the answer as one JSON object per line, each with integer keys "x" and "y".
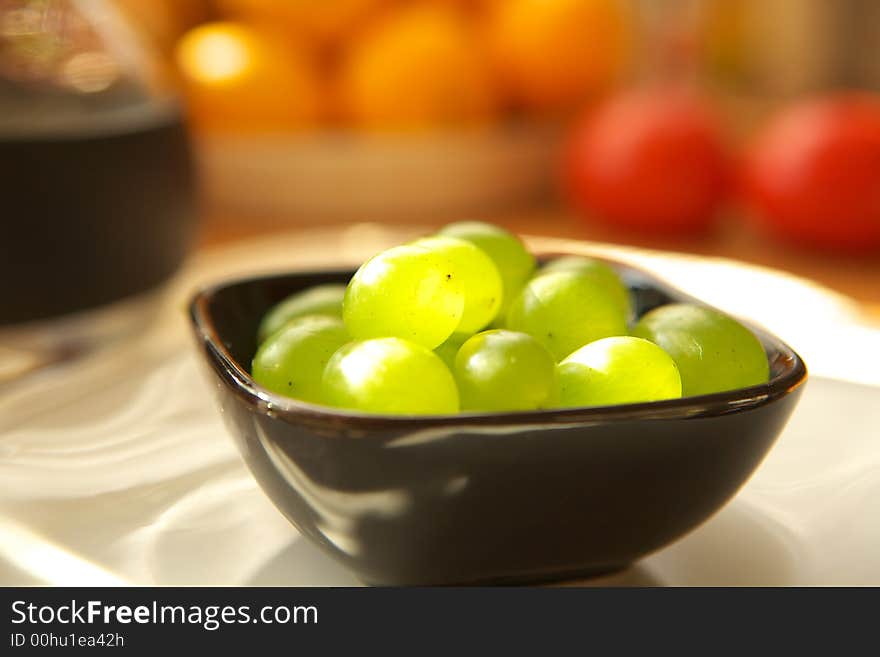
{"x": 118, "y": 469}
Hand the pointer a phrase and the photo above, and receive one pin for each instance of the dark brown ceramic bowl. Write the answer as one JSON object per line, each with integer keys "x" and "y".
{"x": 488, "y": 498}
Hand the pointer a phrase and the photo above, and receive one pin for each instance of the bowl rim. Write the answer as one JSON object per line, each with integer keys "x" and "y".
{"x": 239, "y": 380}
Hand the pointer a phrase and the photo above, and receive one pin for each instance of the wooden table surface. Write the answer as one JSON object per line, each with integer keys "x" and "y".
{"x": 855, "y": 276}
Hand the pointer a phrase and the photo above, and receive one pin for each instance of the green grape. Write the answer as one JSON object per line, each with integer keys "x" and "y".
{"x": 566, "y": 310}
{"x": 602, "y": 272}
{"x": 318, "y": 300}
{"x": 617, "y": 370}
{"x": 291, "y": 361}
{"x": 449, "y": 349}
{"x": 713, "y": 351}
{"x": 404, "y": 292}
{"x": 514, "y": 262}
{"x": 390, "y": 375}
{"x": 476, "y": 275}
{"x": 505, "y": 371}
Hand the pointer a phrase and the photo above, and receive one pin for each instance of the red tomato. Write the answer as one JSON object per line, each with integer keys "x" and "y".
{"x": 812, "y": 175}
{"x": 651, "y": 160}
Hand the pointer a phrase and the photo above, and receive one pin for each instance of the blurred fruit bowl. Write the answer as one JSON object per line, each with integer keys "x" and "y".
{"x": 356, "y": 176}
{"x": 383, "y": 110}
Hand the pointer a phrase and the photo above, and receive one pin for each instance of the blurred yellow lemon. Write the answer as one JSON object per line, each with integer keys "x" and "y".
{"x": 238, "y": 78}
{"x": 421, "y": 66}
{"x": 321, "y": 20}
{"x": 550, "y": 54}
{"x": 164, "y": 21}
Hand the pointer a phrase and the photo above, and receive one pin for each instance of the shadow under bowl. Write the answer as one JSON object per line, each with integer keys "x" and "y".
{"x": 488, "y": 498}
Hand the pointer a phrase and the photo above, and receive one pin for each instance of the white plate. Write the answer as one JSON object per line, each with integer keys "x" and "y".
{"x": 117, "y": 468}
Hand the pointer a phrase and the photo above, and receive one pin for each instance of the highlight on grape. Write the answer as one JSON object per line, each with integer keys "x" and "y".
{"x": 465, "y": 321}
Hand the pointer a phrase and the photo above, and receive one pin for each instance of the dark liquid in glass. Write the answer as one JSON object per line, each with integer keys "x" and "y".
{"x": 91, "y": 215}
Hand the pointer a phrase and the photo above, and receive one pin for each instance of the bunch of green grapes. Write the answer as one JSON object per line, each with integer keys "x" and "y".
{"x": 462, "y": 321}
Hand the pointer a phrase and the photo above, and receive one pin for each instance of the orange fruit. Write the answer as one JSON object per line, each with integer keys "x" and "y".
{"x": 466, "y": 4}
{"x": 421, "y": 66}
{"x": 551, "y": 54}
{"x": 239, "y": 78}
{"x": 321, "y": 20}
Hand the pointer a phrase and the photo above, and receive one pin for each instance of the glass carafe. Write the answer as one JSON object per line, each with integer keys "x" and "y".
{"x": 96, "y": 180}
